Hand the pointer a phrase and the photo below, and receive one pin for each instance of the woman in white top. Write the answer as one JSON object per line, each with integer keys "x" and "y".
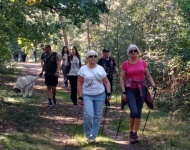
{"x": 91, "y": 91}
{"x": 65, "y": 54}
{"x": 74, "y": 61}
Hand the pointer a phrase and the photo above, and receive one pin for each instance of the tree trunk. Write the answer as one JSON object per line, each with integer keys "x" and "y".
{"x": 64, "y": 32}
{"x": 43, "y": 16}
{"x": 88, "y": 35}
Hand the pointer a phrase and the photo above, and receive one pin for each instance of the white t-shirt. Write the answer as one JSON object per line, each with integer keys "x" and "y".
{"x": 92, "y": 84}
{"x": 74, "y": 66}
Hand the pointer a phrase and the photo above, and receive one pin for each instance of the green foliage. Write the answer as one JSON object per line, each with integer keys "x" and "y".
{"x": 25, "y": 24}
{"x": 77, "y": 11}
{"x": 184, "y": 6}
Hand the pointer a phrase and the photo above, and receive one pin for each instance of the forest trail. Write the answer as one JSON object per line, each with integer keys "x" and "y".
{"x": 112, "y": 113}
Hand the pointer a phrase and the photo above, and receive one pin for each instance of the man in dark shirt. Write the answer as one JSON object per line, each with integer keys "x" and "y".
{"x": 108, "y": 63}
{"x": 51, "y": 64}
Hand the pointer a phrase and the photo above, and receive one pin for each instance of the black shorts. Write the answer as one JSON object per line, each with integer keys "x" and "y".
{"x": 51, "y": 80}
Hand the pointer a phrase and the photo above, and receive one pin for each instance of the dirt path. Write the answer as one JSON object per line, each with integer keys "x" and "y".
{"x": 113, "y": 113}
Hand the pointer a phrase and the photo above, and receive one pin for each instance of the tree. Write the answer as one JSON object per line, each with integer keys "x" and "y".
{"x": 184, "y": 7}
{"x": 23, "y": 20}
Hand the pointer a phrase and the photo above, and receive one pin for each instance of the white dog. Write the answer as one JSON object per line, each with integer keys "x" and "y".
{"x": 25, "y": 85}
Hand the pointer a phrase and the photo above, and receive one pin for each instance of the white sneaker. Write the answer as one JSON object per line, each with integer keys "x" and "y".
{"x": 87, "y": 140}
{"x": 93, "y": 140}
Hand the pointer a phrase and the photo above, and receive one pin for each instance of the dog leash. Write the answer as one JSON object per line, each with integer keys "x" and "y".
{"x": 31, "y": 82}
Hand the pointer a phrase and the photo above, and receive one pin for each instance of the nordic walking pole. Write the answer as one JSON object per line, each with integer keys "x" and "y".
{"x": 80, "y": 109}
{"x": 120, "y": 121}
{"x": 123, "y": 103}
{"x": 105, "y": 113}
{"x": 148, "y": 113}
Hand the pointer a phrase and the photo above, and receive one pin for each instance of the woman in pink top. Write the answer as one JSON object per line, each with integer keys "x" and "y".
{"x": 132, "y": 82}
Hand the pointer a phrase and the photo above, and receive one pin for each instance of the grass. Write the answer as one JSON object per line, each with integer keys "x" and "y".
{"x": 166, "y": 132}
{"x": 162, "y": 132}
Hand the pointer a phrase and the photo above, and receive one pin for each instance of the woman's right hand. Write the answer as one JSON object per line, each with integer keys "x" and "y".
{"x": 80, "y": 102}
{"x": 123, "y": 97}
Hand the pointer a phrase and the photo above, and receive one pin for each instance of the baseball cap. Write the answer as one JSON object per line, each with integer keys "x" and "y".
{"x": 105, "y": 50}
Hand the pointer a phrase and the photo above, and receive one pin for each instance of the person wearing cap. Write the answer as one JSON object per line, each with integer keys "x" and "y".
{"x": 109, "y": 65}
{"x": 91, "y": 84}
{"x": 133, "y": 86}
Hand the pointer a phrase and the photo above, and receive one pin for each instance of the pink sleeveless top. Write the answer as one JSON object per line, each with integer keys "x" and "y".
{"x": 134, "y": 71}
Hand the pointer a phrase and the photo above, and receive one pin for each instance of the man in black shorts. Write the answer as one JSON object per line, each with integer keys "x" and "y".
{"x": 51, "y": 64}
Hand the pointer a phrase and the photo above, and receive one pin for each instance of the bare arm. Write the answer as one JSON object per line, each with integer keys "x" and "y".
{"x": 58, "y": 62}
{"x": 107, "y": 84}
{"x": 122, "y": 84}
{"x": 58, "y": 65}
{"x": 149, "y": 77}
{"x": 43, "y": 67}
{"x": 80, "y": 81}
{"x": 117, "y": 71}
{"x": 122, "y": 80}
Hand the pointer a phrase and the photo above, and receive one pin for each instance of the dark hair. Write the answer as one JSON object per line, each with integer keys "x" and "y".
{"x": 64, "y": 51}
{"x": 48, "y": 46}
{"x": 77, "y": 53}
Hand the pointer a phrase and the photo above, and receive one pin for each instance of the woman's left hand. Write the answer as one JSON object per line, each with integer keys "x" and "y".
{"x": 108, "y": 97}
{"x": 80, "y": 101}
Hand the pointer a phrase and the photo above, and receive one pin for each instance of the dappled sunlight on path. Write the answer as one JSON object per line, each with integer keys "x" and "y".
{"x": 64, "y": 116}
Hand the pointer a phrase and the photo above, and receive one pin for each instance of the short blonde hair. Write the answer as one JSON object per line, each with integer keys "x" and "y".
{"x": 91, "y": 52}
{"x": 132, "y": 46}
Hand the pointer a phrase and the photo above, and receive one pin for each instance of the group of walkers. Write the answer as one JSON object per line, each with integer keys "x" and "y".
{"x": 92, "y": 82}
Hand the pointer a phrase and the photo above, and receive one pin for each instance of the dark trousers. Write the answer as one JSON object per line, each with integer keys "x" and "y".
{"x": 135, "y": 101}
{"x": 73, "y": 83}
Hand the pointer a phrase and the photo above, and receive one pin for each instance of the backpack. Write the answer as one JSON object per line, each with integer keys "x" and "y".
{"x": 50, "y": 62}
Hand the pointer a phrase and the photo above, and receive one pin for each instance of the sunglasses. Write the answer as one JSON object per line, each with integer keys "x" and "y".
{"x": 92, "y": 56}
{"x": 135, "y": 51}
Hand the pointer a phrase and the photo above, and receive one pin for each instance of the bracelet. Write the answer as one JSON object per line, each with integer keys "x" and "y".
{"x": 108, "y": 94}
{"x": 154, "y": 88}
{"x": 80, "y": 98}
{"x": 123, "y": 93}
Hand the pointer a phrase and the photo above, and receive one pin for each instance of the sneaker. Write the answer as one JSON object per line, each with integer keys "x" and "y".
{"x": 87, "y": 140}
{"x": 93, "y": 140}
{"x": 132, "y": 137}
{"x": 50, "y": 103}
{"x": 136, "y": 137}
{"x": 54, "y": 101}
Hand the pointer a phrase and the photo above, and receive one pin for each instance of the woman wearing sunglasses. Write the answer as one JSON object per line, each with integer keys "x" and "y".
{"x": 132, "y": 82}
{"x": 91, "y": 91}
